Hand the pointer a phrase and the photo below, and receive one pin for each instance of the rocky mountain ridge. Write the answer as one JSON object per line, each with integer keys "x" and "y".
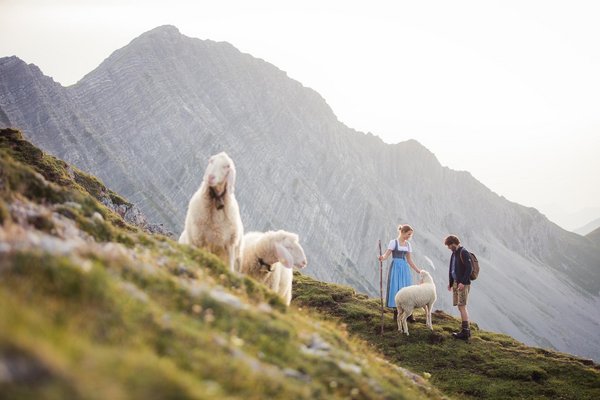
{"x": 149, "y": 116}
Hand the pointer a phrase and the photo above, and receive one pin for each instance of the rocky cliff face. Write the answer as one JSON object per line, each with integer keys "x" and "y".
{"x": 148, "y": 117}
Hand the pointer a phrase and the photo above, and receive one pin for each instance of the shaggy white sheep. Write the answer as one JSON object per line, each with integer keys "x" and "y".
{"x": 213, "y": 219}
{"x": 416, "y": 296}
{"x": 269, "y": 258}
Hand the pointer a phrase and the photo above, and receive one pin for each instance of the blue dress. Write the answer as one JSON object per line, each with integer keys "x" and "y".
{"x": 399, "y": 273}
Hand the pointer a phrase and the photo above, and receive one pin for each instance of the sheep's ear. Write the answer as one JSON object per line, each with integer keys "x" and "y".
{"x": 284, "y": 256}
{"x": 231, "y": 178}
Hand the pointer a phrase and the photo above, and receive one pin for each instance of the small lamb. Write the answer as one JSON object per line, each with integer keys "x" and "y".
{"x": 416, "y": 296}
{"x": 213, "y": 219}
{"x": 269, "y": 258}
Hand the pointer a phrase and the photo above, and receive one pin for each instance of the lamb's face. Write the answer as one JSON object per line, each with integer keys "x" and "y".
{"x": 424, "y": 277}
{"x": 297, "y": 253}
{"x": 220, "y": 172}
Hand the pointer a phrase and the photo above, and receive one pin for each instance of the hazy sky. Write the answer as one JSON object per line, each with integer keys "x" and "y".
{"x": 507, "y": 90}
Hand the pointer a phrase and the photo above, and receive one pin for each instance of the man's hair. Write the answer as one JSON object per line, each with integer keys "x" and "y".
{"x": 451, "y": 239}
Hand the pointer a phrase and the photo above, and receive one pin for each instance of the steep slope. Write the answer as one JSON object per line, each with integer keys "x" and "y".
{"x": 157, "y": 108}
{"x": 95, "y": 308}
{"x": 28, "y": 95}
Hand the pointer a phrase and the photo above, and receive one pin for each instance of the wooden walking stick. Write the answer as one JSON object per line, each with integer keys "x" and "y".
{"x": 381, "y": 286}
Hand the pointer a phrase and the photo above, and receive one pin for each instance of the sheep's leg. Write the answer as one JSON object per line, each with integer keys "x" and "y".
{"x": 429, "y": 316}
{"x": 287, "y": 296}
{"x": 237, "y": 259}
{"x": 183, "y": 238}
{"x": 231, "y": 252}
{"x": 427, "y": 309}
{"x": 405, "y": 316}
{"x": 399, "y": 319}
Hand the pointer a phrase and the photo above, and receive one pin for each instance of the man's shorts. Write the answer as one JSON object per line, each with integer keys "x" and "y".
{"x": 459, "y": 297}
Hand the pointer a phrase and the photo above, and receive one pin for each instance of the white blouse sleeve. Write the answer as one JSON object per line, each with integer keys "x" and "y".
{"x": 409, "y": 247}
{"x": 392, "y": 244}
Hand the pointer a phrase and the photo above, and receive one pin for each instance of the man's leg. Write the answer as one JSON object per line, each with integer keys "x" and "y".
{"x": 464, "y": 314}
{"x": 465, "y": 332}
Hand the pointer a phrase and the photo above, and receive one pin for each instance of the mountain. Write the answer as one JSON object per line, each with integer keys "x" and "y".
{"x": 94, "y": 306}
{"x": 146, "y": 120}
{"x": 588, "y": 228}
{"x": 594, "y": 236}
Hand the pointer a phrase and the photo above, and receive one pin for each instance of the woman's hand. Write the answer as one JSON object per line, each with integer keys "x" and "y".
{"x": 380, "y": 258}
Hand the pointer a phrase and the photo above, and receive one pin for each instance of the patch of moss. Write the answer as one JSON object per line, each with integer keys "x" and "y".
{"x": 31, "y": 377}
{"x": 46, "y": 179}
{"x": 41, "y": 222}
{"x": 4, "y": 212}
{"x": 19, "y": 178}
{"x": 51, "y": 168}
{"x": 96, "y": 188}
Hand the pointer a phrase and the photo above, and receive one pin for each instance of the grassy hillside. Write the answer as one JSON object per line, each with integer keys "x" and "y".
{"x": 490, "y": 366}
{"x": 92, "y": 307}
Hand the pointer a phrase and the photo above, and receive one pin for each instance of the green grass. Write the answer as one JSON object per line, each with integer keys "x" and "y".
{"x": 27, "y": 171}
{"x": 110, "y": 328}
{"x": 490, "y": 366}
{"x": 126, "y": 314}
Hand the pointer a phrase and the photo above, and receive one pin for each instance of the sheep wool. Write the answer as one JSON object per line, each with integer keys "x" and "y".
{"x": 213, "y": 219}
{"x": 269, "y": 258}
{"x": 408, "y": 298}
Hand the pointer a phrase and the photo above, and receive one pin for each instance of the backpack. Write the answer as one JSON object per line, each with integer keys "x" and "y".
{"x": 474, "y": 264}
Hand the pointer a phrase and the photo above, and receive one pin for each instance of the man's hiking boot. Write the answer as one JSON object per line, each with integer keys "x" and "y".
{"x": 464, "y": 334}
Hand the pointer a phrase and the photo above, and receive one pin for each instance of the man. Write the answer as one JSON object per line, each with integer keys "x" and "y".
{"x": 460, "y": 282}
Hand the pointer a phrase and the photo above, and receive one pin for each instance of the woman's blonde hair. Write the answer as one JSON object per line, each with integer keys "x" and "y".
{"x": 405, "y": 228}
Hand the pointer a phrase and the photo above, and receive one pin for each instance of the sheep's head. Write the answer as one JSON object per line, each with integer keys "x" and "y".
{"x": 289, "y": 252}
{"x": 220, "y": 174}
{"x": 425, "y": 277}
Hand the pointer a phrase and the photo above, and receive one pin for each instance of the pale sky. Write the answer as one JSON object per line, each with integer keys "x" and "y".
{"x": 507, "y": 90}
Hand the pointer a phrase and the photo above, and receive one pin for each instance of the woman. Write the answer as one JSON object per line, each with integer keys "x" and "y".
{"x": 399, "y": 274}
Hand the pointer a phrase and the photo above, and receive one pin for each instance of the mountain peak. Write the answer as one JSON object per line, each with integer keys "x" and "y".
{"x": 16, "y": 64}
{"x": 165, "y": 30}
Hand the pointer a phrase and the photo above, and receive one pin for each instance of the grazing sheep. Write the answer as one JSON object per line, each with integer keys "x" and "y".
{"x": 213, "y": 219}
{"x": 269, "y": 257}
{"x": 416, "y": 296}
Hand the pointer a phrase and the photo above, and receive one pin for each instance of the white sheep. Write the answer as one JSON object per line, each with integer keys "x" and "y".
{"x": 269, "y": 258}
{"x": 213, "y": 219}
{"x": 416, "y": 296}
